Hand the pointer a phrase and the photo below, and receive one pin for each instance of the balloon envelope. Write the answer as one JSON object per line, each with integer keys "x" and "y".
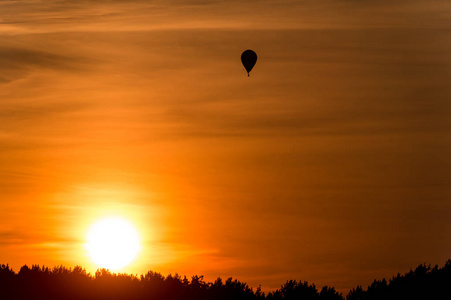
{"x": 248, "y": 58}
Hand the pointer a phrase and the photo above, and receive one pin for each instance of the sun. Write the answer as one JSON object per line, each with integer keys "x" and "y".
{"x": 112, "y": 243}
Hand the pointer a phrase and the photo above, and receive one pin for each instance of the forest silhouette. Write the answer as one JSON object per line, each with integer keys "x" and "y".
{"x": 425, "y": 282}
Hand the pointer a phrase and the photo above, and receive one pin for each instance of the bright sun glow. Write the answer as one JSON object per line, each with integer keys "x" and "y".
{"x": 112, "y": 243}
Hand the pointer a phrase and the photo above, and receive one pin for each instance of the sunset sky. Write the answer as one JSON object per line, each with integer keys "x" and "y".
{"x": 331, "y": 163}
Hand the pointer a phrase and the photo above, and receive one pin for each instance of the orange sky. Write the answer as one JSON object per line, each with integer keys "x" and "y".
{"x": 330, "y": 164}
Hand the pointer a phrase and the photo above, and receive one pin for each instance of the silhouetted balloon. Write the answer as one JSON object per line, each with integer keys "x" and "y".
{"x": 248, "y": 58}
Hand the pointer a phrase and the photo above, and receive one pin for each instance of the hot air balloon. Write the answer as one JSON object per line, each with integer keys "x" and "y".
{"x": 248, "y": 58}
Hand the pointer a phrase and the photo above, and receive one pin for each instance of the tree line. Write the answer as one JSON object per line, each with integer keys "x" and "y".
{"x": 425, "y": 282}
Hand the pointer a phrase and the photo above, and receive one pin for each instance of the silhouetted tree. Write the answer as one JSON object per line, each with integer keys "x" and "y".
{"x": 37, "y": 283}
{"x": 356, "y": 294}
{"x": 424, "y": 282}
{"x": 299, "y": 290}
{"x": 329, "y": 293}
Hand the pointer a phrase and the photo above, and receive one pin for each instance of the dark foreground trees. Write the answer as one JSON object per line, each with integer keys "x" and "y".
{"x": 425, "y": 282}
{"x": 65, "y": 283}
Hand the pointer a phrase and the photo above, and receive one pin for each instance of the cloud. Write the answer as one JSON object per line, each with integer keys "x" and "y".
{"x": 26, "y": 238}
{"x": 18, "y": 61}
{"x": 331, "y": 125}
{"x": 63, "y": 16}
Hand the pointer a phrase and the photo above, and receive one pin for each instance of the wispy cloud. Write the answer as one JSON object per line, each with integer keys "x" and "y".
{"x": 340, "y": 134}
{"x": 63, "y": 16}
